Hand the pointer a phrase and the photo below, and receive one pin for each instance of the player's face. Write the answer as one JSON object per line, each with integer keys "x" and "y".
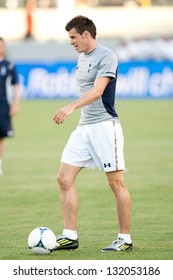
{"x": 2, "y": 48}
{"x": 78, "y": 41}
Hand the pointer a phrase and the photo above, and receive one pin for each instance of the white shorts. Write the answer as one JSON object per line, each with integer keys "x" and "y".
{"x": 96, "y": 145}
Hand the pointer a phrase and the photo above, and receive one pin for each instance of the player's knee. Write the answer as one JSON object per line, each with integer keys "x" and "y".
{"x": 63, "y": 181}
{"x": 117, "y": 184}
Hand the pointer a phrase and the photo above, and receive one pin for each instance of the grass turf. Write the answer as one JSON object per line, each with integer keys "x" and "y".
{"x": 30, "y": 196}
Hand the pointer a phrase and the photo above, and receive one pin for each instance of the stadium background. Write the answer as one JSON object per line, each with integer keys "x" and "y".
{"x": 139, "y": 31}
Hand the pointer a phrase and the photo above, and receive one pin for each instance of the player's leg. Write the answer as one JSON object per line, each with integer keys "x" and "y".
{"x": 1, "y": 153}
{"x": 68, "y": 194}
{"x": 122, "y": 196}
{"x": 123, "y": 204}
{"x": 69, "y": 203}
{"x": 75, "y": 156}
{"x": 109, "y": 151}
{"x": 5, "y": 130}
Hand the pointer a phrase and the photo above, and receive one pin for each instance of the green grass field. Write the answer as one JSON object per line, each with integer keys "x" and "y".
{"x": 30, "y": 196}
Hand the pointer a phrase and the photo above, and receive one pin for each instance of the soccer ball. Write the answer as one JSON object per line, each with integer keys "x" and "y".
{"x": 41, "y": 241}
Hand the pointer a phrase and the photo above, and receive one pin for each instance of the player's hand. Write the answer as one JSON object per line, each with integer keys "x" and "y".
{"x": 63, "y": 113}
{"x": 14, "y": 110}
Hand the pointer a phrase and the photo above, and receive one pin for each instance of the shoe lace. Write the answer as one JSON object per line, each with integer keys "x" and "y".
{"x": 117, "y": 241}
{"x": 60, "y": 237}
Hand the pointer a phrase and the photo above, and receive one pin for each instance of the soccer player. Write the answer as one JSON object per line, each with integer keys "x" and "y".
{"x": 98, "y": 138}
{"x": 7, "y": 74}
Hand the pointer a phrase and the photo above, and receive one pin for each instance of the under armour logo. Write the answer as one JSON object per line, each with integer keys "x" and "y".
{"x": 107, "y": 165}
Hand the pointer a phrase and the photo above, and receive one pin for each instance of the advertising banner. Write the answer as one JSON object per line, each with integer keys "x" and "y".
{"x": 145, "y": 80}
{"x": 57, "y": 80}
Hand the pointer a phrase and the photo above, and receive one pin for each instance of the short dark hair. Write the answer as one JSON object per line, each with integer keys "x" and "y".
{"x": 81, "y": 23}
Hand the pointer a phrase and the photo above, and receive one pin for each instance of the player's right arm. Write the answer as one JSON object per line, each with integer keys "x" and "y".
{"x": 14, "y": 109}
{"x": 91, "y": 95}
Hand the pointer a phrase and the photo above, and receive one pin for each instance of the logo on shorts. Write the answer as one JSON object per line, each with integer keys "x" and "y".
{"x": 107, "y": 165}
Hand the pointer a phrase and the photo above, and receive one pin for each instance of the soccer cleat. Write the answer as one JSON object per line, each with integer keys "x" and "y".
{"x": 64, "y": 243}
{"x": 118, "y": 245}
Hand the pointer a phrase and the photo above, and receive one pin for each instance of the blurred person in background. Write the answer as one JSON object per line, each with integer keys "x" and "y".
{"x": 8, "y": 75}
{"x": 30, "y": 6}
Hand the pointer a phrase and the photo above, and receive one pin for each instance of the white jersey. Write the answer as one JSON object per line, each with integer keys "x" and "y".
{"x": 101, "y": 62}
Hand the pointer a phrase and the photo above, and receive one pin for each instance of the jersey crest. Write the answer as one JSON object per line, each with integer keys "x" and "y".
{"x": 3, "y": 71}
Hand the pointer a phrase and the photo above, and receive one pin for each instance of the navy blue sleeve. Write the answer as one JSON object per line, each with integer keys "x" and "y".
{"x": 14, "y": 76}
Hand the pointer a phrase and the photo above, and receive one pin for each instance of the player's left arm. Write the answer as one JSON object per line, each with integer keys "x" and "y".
{"x": 91, "y": 95}
{"x": 14, "y": 109}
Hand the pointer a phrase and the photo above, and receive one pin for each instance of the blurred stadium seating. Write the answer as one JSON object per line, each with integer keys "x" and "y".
{"x": 139, "y": 31}
{"x": 135, "y": 33}
{"x": 89, "y": 3}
